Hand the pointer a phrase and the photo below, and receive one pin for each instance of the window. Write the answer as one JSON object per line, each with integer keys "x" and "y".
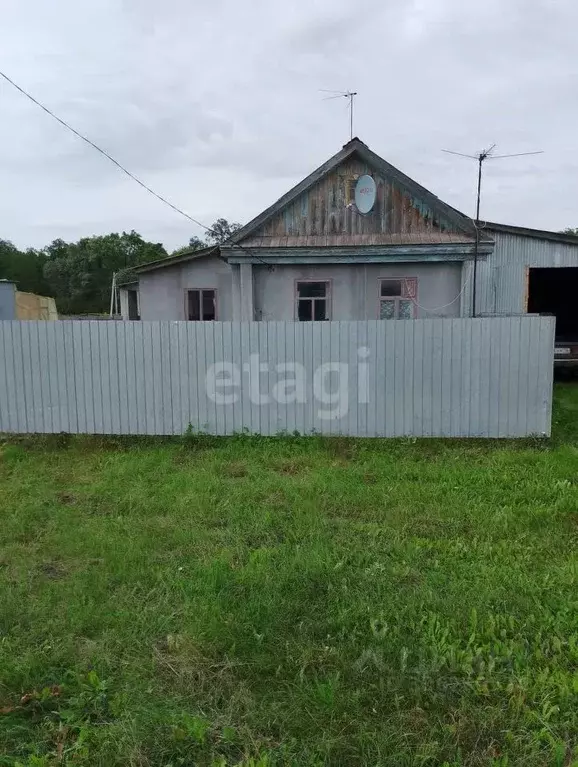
{"x": 397, "y": 299}
{"x": 202, "y": 305}
{"x": 312, "y": 301}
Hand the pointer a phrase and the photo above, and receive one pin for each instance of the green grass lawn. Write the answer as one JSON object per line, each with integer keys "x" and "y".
{"x": 253, "y": 601}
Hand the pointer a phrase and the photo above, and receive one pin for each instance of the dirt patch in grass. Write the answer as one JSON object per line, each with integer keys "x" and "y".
{"x": 234, "y": 469}
{"x": 66, "y": 497}
{"x": 370, "y": 478}
{"x": 185, "y": 667}
{"x": 291, "y": 467}
{"x": 52, "y": 570}
{"x": 343, "y": 448}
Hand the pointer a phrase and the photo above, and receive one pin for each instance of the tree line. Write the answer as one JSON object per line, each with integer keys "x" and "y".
{"x": 78, "y": 275}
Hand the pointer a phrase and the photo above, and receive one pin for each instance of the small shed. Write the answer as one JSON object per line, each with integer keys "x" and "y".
{"x": 7, "y": 300}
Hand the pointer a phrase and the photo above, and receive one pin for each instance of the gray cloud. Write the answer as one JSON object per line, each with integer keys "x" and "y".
{"x": 218, "y": 106}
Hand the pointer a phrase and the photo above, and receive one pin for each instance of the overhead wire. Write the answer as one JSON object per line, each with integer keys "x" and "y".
{"x": 164, "y": 200}
{"x": 103, "y": 152}
{"x": 117, "y": 163}
{"x": 435, "y": 309}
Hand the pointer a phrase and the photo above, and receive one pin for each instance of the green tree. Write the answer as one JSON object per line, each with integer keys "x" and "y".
{"x": 80, "y": 274}
{"x": 25, "y": 268}
{"x": 195, "y": 243}
{"x": 56, "y": 267}
{"x": 221, "y": 230}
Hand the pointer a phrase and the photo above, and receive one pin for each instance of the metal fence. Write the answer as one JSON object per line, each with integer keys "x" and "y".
{"x": 486, "y": 377}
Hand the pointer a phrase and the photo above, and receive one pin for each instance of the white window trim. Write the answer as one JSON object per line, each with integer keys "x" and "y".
{"x": 408, "y": 292}
{"x": 327, "y": 299}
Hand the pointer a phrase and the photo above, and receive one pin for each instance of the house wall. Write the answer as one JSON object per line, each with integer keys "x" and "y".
{"x": 123, "y": 294}
{"x": 354, "y": 288}
{"x": 162, "y": 292}
{"x": 501, "y": 284}
{"x": 502, "y": 277}
{"x": 7, "y": 301}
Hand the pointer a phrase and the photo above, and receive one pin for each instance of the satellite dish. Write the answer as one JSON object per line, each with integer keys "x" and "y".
{"x": 365, "y": 193}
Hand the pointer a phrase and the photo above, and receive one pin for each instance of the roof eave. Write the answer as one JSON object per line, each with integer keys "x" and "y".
{"x": 540, "y": 234}
{"x": 355, "y": 255}
{"x": 162, "y": 263}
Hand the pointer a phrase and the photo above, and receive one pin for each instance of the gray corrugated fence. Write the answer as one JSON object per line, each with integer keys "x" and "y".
{"x": 487, "y": 377}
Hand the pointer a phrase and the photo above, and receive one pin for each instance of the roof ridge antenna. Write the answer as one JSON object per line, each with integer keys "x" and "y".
{"x": 481, "y": 157}
{"x": 343, "y": 94}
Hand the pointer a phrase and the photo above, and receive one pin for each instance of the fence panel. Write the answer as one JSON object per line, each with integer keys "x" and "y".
{"x": 483, "y": 377}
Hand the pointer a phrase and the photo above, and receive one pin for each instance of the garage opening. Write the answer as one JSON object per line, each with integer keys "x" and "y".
{"x": 555, "y": 291}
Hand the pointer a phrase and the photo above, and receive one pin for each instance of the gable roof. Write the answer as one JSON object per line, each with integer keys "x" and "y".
{"x": 356, "y": 147}
{"x": 462, "y": 226}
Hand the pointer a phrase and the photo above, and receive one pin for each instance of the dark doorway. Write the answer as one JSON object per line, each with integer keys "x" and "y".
{"x": 555, "y": 291}
{"x": 132, "y": 305}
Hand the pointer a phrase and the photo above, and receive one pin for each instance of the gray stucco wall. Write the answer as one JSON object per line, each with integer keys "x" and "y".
{"x": 355, "y": 288}
{"x": 7, "y": 301}
{"x": 162, "y": 292}
{"x": 123, "y": 294}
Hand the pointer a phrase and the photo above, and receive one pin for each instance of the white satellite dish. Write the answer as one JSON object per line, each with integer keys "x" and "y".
{"x": 365, "y": 193}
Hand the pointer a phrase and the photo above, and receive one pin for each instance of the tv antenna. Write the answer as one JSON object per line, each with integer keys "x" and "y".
{"x": 481, "y": 157}
{"x": 350, "y": 95}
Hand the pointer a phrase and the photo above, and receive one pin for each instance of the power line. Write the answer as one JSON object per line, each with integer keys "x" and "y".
{"x": 118, "y": 164}
{"x": 103, "y": 152}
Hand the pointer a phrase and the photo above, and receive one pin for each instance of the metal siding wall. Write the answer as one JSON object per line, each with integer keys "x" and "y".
{"x": 486, "y": 377}
{"x": 7, "y": 300}
{"x": 502, "y": 277}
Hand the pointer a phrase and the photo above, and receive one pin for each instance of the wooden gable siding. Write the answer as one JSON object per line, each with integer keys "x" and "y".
{"x": 323, "y": 210}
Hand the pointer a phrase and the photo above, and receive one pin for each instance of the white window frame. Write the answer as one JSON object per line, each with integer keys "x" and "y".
{"x": 408, "y": 293}
{"x": 326, "y": 298}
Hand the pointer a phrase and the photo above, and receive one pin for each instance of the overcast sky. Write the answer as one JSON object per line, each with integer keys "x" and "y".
{"x": 217, "y": 106}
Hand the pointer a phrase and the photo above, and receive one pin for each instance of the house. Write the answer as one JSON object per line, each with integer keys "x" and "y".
{"x": 357, "y": 239}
